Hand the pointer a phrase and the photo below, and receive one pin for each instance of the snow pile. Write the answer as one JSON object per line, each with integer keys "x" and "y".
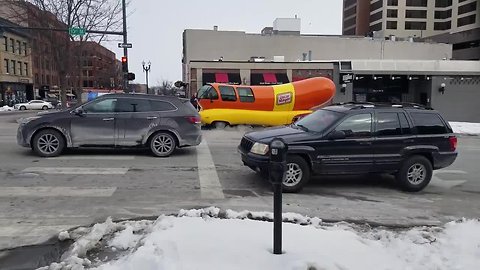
{"x": 213, "y": 239}
{"x": 465, "y": 128}
{"x": 6, "y": 109}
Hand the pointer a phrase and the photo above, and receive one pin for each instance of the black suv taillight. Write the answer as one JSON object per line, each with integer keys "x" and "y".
{"x": 194, "y": 119}
{"x": 453, "y": 143}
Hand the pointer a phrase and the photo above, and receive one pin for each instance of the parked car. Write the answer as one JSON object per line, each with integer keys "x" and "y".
{"x": 33, "y": 105}
{"x": 160, "y": 123}
{"x": 408, "y": 141}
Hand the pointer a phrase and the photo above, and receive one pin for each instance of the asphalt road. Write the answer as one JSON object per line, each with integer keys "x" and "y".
{"x": 40, "y": 197}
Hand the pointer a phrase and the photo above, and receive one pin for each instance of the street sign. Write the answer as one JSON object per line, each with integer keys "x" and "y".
{"x": 125, "y": 45}
{"x": 76, "y": 31}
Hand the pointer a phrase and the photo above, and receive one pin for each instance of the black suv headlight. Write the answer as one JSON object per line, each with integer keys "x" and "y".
{"x": 259, "y": 148}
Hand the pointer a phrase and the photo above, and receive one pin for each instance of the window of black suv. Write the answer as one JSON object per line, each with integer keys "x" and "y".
{"x": 319, "y": 120}
{"x": 356, "y": 126}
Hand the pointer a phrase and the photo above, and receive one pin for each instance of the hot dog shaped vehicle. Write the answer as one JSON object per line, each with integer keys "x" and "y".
{"x": 272, "y": 105}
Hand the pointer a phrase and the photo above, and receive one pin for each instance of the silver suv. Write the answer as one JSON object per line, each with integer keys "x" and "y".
{"x": 160, "y": 123}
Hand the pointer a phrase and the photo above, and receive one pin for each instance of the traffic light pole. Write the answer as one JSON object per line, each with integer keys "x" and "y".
{"x": 125, "y": 50}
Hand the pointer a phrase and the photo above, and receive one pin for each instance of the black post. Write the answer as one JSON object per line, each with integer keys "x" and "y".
{"x": 278, "y": 165}
{"x": 146, "y": 69}
{"x": 277, "y": 218}
{"x": 125, "y": 50}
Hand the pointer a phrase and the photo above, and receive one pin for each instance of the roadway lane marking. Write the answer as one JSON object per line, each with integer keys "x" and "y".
{"x": 21, "y": 231}
{"x": 448, "y": 184}
{"x": 57, "y": 191}
{"x": 93, "y": 157}
{"x": 449, "y": 171}
{"x": 210, "y": 187}
{"x": 76, "y": 170}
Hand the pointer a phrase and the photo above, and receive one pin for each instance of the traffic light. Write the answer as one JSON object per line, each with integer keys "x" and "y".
{"x": 124, "y": 64}
{"x": 129, "y": 76}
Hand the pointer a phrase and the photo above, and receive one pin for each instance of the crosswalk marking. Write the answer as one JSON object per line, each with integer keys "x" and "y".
{"x": 448, "y": 184}
{"x": 210, "y": 187}
{"x": 57, "y": 191}
{"x": 76, "y": 170}
{"x": 94, "y": 157}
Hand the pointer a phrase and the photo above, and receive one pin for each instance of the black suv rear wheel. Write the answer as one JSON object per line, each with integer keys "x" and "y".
{"x": 297, "y": 175}
{"x": 162, "y": 144}
{"x": 415, "y": 173}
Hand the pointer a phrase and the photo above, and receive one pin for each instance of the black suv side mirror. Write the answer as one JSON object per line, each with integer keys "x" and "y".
{"x": 337, "y": 135}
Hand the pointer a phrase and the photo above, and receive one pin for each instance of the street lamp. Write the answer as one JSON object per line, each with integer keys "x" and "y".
{"x": 146, "y": 69}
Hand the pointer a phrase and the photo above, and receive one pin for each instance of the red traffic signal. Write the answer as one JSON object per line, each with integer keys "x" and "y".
{"x": 124, "y": 64}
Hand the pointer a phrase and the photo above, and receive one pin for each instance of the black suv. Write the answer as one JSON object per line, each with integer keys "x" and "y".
{"x": 407, "y": 140}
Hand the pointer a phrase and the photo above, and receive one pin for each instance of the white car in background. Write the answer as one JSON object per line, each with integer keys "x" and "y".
{"x": 34, "y": 105}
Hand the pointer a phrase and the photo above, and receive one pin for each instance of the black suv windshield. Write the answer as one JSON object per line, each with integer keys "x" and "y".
{"x": 319, "y": 120}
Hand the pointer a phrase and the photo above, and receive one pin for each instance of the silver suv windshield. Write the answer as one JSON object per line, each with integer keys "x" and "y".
{"x": 319, "y": 120}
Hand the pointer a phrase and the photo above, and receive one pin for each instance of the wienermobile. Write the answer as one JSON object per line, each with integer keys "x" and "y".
{"x": 223, "y": 104}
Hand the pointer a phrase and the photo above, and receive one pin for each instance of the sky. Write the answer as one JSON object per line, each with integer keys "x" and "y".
{"x": 155, "y": 27}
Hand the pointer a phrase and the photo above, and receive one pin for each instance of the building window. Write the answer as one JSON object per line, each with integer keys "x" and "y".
{"x": 20, "y": 68}
{"x": 19, "y": 47}
{"x": 443, "y": 3}
{"x": 443, "y": 14}
{"x": 12, "y": 45}
{"x": 377, "y": 16}
{"x": 467, "y": 8}
{"x": 421, "y": 14}
{"x": 25, "y": 67}
{"x": 348, "y": 3}
{"x": 376, "y": 27}
{"x": 24, "y": 48}
{"x": 350, "y": 31}
{"x": 5, "y": 43}
{"x": 350, "y": 22}
{"x": 442, "y": 25}
{"x": 6, "y": 66}
{"x": 47, "y": 65}
{"x": 466, "y": 20}
{"x": 36, "y": 79}
{"x": 349, "y": 12}
{"x": 392, "y": 13}
{"x": 376, "y": 5}
{"x": 392, "y": 3}
{"x": 415, "y": 25}
{"x": 13, "y": 68}
{"x": 417, "y": 3}
{"x": 391, "y": 25}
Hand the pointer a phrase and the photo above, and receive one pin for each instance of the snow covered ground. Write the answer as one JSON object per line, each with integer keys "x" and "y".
{"x": 6, "y": 109}
{"x": 213, "y": 239}
{"x": 465, "y": 128}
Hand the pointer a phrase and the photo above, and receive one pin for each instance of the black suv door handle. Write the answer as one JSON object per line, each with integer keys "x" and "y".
{"x": 366, "y": 143}
{"x": 408, "y": 140}
{"x": 151, "y": 117}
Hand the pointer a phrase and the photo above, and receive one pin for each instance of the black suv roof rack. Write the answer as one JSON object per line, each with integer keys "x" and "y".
{"x": 361, "y": 105}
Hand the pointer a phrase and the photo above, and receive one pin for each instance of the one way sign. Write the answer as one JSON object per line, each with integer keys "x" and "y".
{"x": 125, "y": 45}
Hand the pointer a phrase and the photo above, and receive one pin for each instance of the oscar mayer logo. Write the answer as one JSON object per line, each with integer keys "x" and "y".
{"x": 284, "y": 98}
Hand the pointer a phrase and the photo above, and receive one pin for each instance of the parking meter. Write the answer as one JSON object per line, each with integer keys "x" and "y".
{"x": 278, "y": 160}
{"x": 277, "y": 167}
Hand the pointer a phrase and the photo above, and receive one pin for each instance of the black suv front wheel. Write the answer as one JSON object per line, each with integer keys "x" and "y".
{"x": 297, "y": 175}
{"x": 415, "y": 173}
{"x": 48, "y": 143}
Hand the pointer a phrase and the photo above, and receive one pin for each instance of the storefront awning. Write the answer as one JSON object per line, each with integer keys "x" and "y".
{"x": 268, "y": 78}
{"x": 221, "y": 77}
